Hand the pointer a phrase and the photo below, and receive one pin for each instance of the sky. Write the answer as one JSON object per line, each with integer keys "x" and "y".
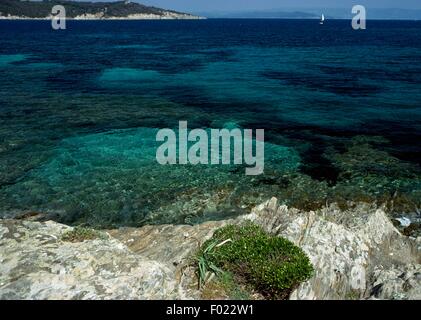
{"x": 244, "y": 5}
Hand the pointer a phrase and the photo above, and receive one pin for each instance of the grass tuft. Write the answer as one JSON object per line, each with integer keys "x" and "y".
{"x": 80, "y": 234}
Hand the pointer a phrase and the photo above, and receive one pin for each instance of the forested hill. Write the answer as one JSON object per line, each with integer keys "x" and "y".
{"x": 104, "y": 10}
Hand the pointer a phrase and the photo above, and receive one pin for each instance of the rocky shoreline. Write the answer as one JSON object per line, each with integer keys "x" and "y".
{"x": 169, "y": 16}
{"x": 356, "y": 253}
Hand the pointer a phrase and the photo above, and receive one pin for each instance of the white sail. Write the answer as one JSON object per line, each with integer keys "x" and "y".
{"x": 323, "y": 17}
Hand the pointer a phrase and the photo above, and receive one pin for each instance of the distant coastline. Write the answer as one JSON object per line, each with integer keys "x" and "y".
{"x": 131, "y": 17}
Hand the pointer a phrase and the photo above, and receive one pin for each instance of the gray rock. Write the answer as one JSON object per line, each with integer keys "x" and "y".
{"x": 344, "y": 247}
{"x": 36, "y": 264}
{"x": 398, "y": 283}
{"x": 357, "y": 254}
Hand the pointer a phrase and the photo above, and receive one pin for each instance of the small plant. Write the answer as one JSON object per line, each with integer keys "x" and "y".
{"x": 205, "y": 263}
{"x": 80, "y": 234}
{"x": 353, "y": 295}
{"x": 273, "y": 266}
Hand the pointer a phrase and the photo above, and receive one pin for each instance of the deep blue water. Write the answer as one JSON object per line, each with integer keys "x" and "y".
{"x": 79, "y": 110}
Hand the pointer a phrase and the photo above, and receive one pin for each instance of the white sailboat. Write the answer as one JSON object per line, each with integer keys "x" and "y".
{"x": 322, "y": 19}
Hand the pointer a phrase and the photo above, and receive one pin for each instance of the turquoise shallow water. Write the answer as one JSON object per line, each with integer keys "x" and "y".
{"x": 79, "y": 111}
{"x": 116, "y": 177}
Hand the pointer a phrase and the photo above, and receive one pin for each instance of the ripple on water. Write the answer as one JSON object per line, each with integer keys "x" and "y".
{"x": 128, "y": 75}
{"x": 8, "y": 59}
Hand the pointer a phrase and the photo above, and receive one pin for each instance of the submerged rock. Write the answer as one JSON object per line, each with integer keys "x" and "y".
{"x": 357, "y": 254}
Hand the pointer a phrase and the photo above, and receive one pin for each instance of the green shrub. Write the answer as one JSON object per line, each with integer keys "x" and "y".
{"x": 80, "y": 234}
{"x": 274, "y": 266}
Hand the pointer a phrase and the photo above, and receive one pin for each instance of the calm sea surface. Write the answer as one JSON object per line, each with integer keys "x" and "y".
{"x": 80, "y": 108}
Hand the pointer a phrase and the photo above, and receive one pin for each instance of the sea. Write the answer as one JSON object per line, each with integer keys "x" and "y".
{"x": 80, "y": 109}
